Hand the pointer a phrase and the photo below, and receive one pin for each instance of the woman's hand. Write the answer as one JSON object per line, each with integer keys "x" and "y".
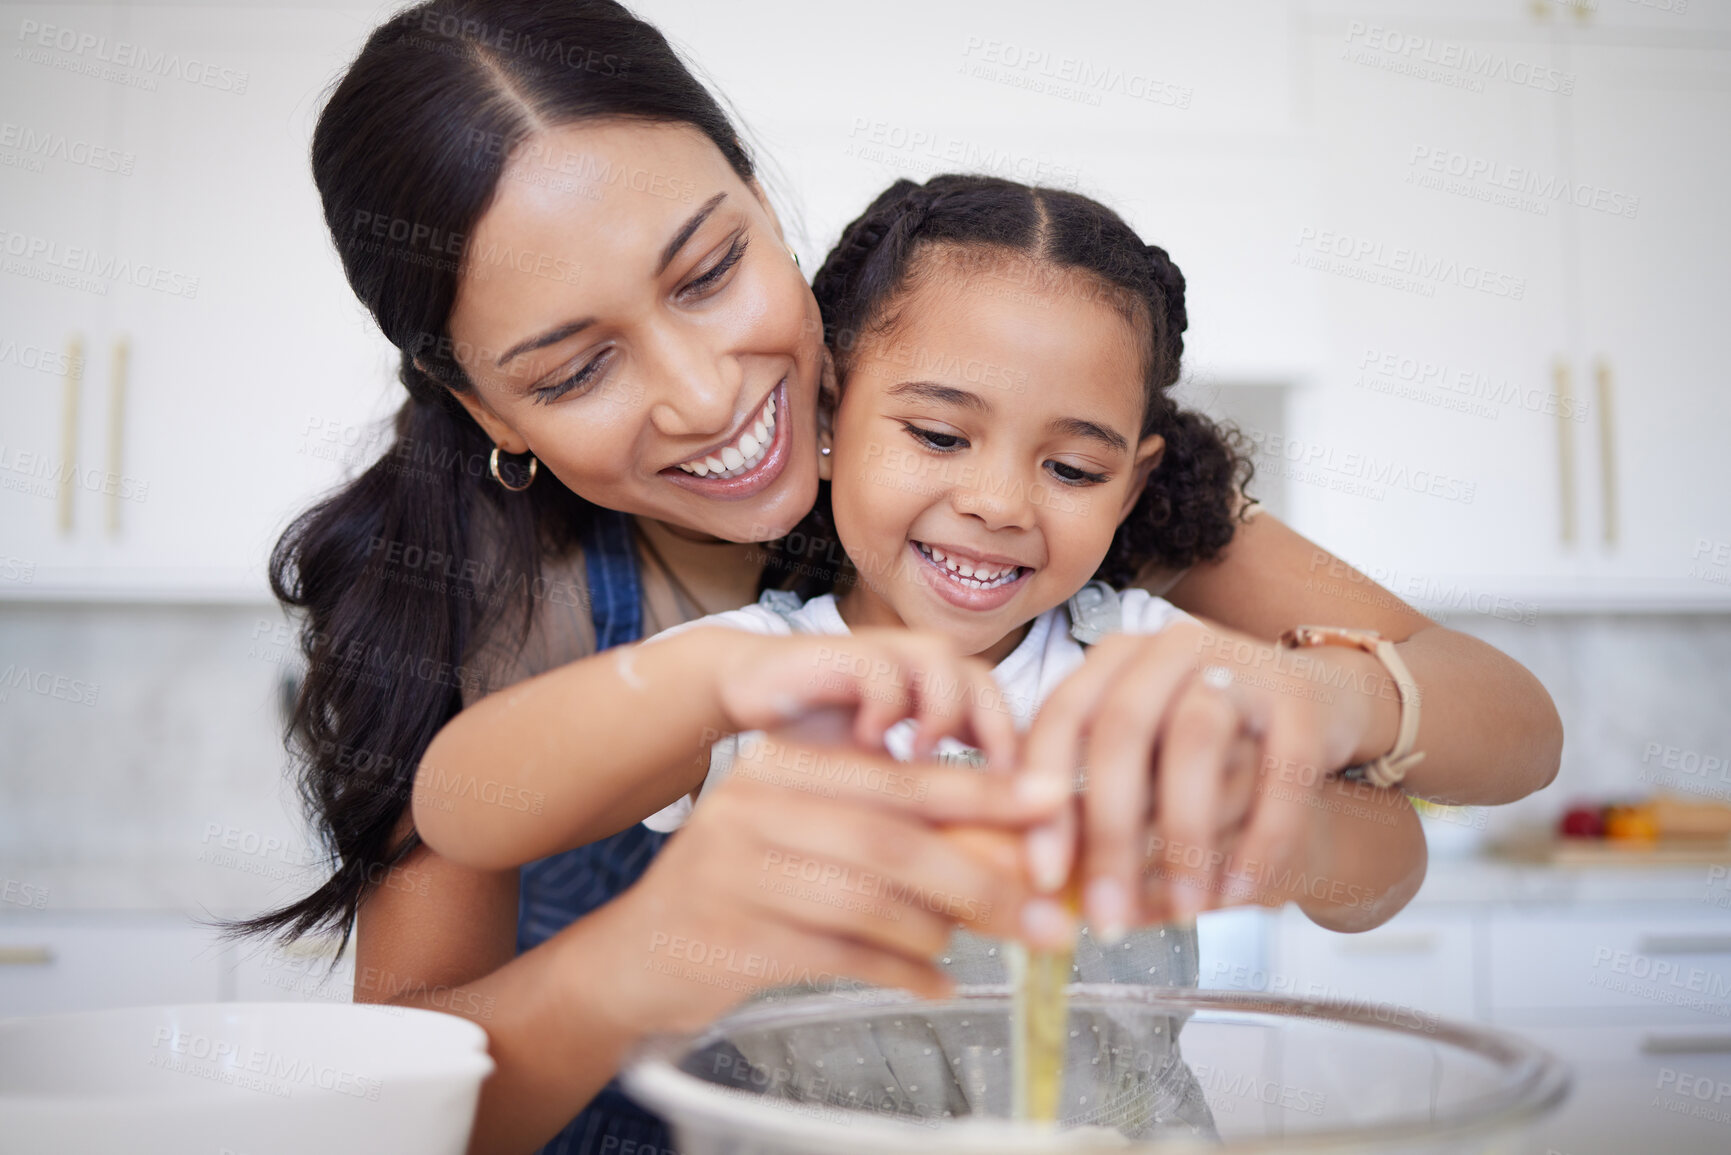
{"x": 815, "y": 865}
{"x": 881, "y": 675}
{"x": 1208, "y": 754}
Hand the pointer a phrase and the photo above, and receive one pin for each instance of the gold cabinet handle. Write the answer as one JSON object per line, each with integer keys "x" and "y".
{"x": 1565, "y": 450}
{"x": 117, "y": 432}
{"x": 67, "y": 491}
{"x": 25, "y": 956}
{"x": 1607, "y": 453}
{"x": 1686, "y": 1045}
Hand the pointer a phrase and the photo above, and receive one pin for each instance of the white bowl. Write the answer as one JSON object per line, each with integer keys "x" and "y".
{"x": 1146, "y": 1070}
{"x": 243, "y": 1078}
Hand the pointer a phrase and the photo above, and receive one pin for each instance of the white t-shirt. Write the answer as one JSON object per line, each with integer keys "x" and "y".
{"x": 1027, "y": 675}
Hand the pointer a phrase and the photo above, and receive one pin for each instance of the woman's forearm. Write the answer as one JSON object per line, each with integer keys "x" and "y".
{"x": 574, "y": 754}
{"x": 1367, "y": 858}
{"x": 1489, "y": 731}
{"x": 553, "y": 1041}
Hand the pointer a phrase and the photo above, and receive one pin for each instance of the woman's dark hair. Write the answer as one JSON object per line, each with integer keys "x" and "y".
{"x": 1020, "y": 237}
{"x": 398, "y": 572}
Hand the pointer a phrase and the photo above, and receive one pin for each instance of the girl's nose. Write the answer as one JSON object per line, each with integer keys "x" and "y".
{"x": 999, "y": 498}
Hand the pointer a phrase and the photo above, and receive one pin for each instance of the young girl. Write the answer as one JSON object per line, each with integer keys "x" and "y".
{"x": 1003, "y": 435}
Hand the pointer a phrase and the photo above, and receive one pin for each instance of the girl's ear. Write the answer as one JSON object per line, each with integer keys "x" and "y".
{"x": 828, "y": 397}
{"x": 1148, "y": 454}
{"x": 491, "y": 424}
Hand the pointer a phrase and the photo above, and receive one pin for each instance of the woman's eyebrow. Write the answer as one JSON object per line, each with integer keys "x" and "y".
{"x": 687, "y": 229}
{"x": 550, "y": 337}
{"x": 941, "y": 394}
{"x": 554, "y": 336}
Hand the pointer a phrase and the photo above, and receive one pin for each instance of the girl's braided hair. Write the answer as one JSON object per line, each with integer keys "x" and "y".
{"x": 1187, "y": 511}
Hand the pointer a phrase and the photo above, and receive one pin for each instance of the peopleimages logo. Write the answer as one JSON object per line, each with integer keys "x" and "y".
{"x": 1399, "y": 266}
{"x": 100, "y": 50}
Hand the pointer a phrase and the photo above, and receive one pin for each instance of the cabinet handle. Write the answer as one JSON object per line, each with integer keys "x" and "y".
{"x": 25, "y": 956}
{"x": 1685, "y": 944}
{"x": 1607, "y": 456}
{"x": 1416, "y": 943}
{"x": 67, "y": 491}
{"x": 1686, "y": 1045}
{"x": 116, "y": 432}
{"x": 1565, "y": 450}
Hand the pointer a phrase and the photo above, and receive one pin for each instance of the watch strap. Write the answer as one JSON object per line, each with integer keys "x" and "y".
{"x": 1389, "y": 769}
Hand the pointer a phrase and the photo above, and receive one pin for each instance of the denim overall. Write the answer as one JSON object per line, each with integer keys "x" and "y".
{"x": 557, "y": 891}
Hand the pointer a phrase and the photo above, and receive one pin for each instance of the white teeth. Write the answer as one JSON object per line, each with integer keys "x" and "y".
{"x": 978, "y": 577}
{"x": 745, "y": 453}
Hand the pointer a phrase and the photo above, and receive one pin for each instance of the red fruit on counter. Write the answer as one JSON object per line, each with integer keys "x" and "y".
{"x": 1583, "y": 822}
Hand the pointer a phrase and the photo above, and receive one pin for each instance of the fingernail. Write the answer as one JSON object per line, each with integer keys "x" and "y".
{"x": 1041, "y": 790}
{"x": 1047, "y": 858}
{"x": 1108, "y": 910}
{"x": 1045, "y": 923}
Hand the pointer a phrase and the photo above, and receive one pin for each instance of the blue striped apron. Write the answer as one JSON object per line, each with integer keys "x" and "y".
{"x": 557, "y": 891}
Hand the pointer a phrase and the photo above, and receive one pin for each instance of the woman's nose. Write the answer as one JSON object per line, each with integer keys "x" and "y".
{"x": 694, "y": 389}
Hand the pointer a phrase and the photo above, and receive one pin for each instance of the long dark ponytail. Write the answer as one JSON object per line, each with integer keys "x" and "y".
{"x": 393, "y": 574}
{"x": 1186, "y": 512}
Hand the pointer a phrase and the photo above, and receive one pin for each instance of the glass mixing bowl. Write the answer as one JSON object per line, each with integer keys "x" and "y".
{"x": 1148, "y": 1069}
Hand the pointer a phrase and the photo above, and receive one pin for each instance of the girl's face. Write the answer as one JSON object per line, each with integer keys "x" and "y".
{"x": 985, "y": 451}
{"x": 628, "y": 313}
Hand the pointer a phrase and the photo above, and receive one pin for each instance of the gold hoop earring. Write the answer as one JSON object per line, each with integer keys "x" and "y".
{"x": 493, "y": 468}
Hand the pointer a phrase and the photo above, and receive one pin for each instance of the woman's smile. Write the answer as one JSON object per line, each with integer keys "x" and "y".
{"x": 750, "y": 459}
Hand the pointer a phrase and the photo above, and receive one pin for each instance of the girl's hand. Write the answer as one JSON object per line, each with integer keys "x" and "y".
{"x": 881, "y": 675}
{"x": 1207, "y": 755}
{"x": 815, "y": 865}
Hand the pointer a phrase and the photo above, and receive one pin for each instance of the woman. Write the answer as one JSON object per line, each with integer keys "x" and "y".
{"x": 558, "y": 228}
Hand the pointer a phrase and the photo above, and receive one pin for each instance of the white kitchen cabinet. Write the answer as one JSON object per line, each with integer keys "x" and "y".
{"x": 55, "y": 963}
{"x": 1433, "y": 156}
{"x": 244, "y": 341}
{"x": 52, "y": 963}
{"x": 1658, "y": 966}
{"x": 1639, "y": 1089}
{"x": 1420, "y": 964}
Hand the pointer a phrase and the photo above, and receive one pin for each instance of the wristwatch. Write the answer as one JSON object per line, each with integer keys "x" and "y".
{"x": 1389, "y": 769}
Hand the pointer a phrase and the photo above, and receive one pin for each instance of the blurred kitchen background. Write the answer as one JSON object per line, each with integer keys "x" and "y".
{"x": 1457, "y": 270}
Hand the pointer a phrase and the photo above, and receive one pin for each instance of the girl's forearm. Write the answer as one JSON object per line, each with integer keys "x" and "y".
{"x": 1489, "y": 731}
{"x": 574, "y": 754}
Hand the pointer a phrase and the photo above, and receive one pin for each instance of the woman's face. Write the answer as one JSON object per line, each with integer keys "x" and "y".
{"x": 628, "y": 312}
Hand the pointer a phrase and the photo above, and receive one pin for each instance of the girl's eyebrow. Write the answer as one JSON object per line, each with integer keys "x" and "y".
{"x": 1076, "y": 427}
{"x": 941, "y": 394}
{"x": 966, "y": 399}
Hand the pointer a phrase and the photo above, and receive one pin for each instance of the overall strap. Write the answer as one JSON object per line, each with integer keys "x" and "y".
{"x": 1095, "y": 612}
{"x": 615, "y": 591}
{"x": 557, "y": 891}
